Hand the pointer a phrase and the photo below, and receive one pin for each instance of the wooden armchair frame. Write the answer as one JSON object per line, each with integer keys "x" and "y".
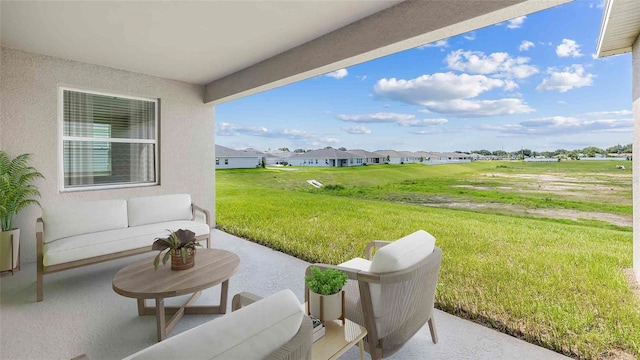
{"x": 407, "y": 320}
{"x": 42, "y": 270}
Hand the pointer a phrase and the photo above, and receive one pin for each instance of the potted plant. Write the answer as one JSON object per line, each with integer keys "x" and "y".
{"x": 16, "y": 193}
{"x": 181, "y": 245}
{"x": 325, "y": 295}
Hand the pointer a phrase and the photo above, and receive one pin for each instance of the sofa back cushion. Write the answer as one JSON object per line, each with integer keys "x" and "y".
{"x": 157, "y": 209}
{"x": 69, "y": 219}
{"x": 252, "y": 332}
{"x": 403, "y": 253}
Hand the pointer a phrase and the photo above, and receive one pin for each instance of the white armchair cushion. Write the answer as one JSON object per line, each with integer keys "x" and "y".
{"x": 70, "y": 219}
{"x": 157, "y": 209}
{"x": 253, "y": 332}
{"x": 403, "y": 253}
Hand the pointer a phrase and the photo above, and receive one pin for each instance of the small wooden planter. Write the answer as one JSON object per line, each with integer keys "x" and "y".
{"x": 178, "y": 264}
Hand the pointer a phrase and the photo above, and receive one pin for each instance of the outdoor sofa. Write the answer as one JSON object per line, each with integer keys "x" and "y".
{"x": 273, "y": 328}
{"x": 76, "y": 234}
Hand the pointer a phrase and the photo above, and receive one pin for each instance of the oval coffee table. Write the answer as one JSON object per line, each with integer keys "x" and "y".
{"x": 140, "y": 281}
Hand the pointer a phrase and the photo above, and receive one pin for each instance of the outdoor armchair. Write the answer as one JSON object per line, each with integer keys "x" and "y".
{"x": 392, "y": 294}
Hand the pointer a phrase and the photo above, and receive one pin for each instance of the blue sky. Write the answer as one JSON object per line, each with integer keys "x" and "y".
{"x": 530, "y": 82}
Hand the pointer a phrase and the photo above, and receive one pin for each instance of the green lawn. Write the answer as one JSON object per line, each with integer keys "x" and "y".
{"x": 557, "y": 284}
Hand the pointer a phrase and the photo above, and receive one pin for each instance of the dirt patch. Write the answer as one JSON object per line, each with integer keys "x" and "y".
{"x": 619, "y": 220}
{"x": 633, "y": 283}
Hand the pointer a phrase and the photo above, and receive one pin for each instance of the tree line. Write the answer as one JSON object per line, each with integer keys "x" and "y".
{"x": 589, "y": 151}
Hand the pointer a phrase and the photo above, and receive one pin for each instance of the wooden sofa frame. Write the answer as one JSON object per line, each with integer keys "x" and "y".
{"x": 378, "y": 347}
{"x": 42, "y": 270}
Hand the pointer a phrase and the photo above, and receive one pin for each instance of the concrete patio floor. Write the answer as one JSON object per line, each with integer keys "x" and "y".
{"x": 82, "y": 314}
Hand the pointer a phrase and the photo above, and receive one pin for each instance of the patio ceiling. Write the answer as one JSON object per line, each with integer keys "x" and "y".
{"x": 241, "y": 48}
{"x": 620, "y": 27}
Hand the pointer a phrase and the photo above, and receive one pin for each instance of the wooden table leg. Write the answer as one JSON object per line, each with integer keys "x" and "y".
{"x": 162, "y": 330}
{"x": 141, "y": 306}
{"x": 224, "y": 292}
{"x": 361, "y": 346}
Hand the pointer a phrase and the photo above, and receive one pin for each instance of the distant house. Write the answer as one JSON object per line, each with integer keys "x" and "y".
{"x": 370, "y": 158}
{"x": 326, "y": 158}
{"x": 398, "y": 157}
{"x": 277, "y": 157}
{"x": 227, "y": 158}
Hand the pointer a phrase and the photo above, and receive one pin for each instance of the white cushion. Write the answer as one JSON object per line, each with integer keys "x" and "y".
{"x": 157, "y": 209}
{"x": 399, "y": 255}
{"x": 108, "y": 242}
{"x": 357, "y": 264}
{"x": 253, "y": 332}
{"x": 70, "y": 219}
{"x": 403, "y": 253}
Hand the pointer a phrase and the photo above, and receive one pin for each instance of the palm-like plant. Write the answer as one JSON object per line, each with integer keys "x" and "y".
{"x": 16, "y": 188}
{"x": 177, "y": 242}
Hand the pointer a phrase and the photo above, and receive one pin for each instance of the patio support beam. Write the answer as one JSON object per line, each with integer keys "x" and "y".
{"x": 636, "y": 156}
{"x": 401, "y": 27}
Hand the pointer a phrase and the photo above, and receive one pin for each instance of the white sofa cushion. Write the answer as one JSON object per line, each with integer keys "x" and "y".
{"x": 253, "y": 332}
{"x": 157, "y": 209}
{"x": 403, "y": 253}
{"x": 65, "y": 220}
{"x": 108, "y": 242}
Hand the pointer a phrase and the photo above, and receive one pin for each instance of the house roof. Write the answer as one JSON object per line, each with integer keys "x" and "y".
{"x": 364, "y": 153}
{"x": 324, "y": 153}
{"x": 620, "y": 27}
{"x": 223, "y": 151}
{"x": 241, "y": 48}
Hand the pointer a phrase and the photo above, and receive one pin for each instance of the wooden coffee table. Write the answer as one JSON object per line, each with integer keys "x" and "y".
{"x": 140, "y": 281}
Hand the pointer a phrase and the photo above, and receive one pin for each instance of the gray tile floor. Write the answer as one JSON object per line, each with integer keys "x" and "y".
{"x": 82, "y": 314}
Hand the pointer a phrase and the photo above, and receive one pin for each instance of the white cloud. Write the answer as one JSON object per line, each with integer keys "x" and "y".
{"x": 338, "y": 74}
{"x": 404, "y": 120}
{"x": 376, "y": 118}
{"x": 228, "y": 129}
{"x": 364, "y": 77}
{"x": 516, "y": 23}
{"x": 609, "y": 113}
{"x": 525, "y": 45}
{"x": 570, "y": 78}
{"x": 423, "y": 122}
{"x": 594, "y": 56}
{"x": 446, "y": 93}
{"x": 500, "y": 64}
{"x": 473, "y": 108}
{"x": 437, "y": 44}
{"x": 558, "y": 125}
{"x": 568, "y": 48}
{"x": 470, "y": 36}
{"x": 510, "y": 85}
{"x": 356, "y": 130}
{"x": 439, "y": 86}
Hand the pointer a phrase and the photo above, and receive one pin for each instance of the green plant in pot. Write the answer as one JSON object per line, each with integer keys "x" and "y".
{"x": 325, "y": 293}
{"x": 16, "y": 193}
{"x": 181, "y": 245}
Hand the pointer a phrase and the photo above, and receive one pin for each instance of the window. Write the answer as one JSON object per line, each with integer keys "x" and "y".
{"x": 226, "y": 161}
{"x": 107, "y": 140}
{"x": 217, "y": 161}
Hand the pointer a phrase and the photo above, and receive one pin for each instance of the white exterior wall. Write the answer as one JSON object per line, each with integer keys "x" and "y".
{"x": 636, "y": 156}
{"x": 311, "y": 162}
{"x": 29, "y": 120}
{"x": 237, "y": 163}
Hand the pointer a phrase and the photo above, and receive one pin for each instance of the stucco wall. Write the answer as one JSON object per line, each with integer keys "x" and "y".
{"x": 636, "y": 156}
{"x": 29, "y": 118}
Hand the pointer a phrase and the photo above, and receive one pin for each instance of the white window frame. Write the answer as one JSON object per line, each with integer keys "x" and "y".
{"x": 62, "y": 138}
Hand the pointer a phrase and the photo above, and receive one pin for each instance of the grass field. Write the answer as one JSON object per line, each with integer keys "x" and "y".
{"x": 556, "y": 282}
